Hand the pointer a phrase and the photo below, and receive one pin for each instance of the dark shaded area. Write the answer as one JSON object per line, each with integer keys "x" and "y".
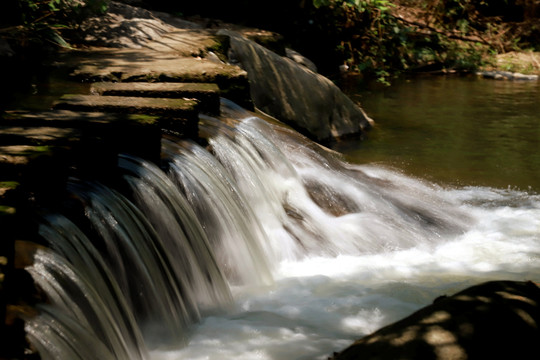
{"x": 493, "y": 320}
{"x": 23, "y": 72}
{"x": 312, "y": 32}
{"x": 336, "y": 33}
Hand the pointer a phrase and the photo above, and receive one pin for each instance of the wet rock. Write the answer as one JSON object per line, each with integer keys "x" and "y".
{"x": 301, "y": 98}
{"x": 206, "y": 94}
{"x": 507, "y": 75}
{"x": 493, "y": 320}
{"x": 301, "y": 59}
{"x": 126, "y": 26}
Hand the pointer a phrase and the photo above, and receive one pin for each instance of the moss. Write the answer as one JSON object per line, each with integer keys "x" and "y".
{"x": 220, "y": 46}
{"x": 7, "y": 210}
{"x": 9, "y": 185}
{"x": 144, "y": 119}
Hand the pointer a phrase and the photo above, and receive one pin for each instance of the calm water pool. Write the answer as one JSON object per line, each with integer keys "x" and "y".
{"x": 454, "y": 130}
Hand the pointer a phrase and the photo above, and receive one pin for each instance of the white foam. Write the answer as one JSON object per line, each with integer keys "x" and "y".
{"x": 320, "y": 304}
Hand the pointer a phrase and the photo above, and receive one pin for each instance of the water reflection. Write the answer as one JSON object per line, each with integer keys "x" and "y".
{"x": 454, "y": 130}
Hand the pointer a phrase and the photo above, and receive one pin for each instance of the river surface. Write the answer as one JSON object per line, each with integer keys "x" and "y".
{"x": 454, "y": 130}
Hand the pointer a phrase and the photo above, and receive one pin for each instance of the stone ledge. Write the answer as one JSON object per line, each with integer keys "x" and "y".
{"x": 22, "y": 135}
{"x": 187, "y": 109}
{"x": 100, "y": 137}
{"x": 206, "y": 93}
{"x": 141, "y": 65}
{"x": 74, "y": 119}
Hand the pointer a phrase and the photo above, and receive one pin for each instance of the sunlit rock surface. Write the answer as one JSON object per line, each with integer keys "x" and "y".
{"x": 493, "y": 320}
{"x": 290, "y": 92}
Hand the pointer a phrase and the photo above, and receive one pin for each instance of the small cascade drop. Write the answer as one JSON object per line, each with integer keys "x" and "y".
{"x": 185, "y": 244}
{"x": 137, "y": 255}
{"x": 234, "y": 232}
{"x": 312, "y": 203}
{"x": 162, "y": 249}
{"x": 88, "y": 316}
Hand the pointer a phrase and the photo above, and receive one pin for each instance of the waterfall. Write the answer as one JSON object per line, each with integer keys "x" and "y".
{"x": 234, "y": 232}
{"x": 220, "y": 237}
{"x": 88, "y": 315}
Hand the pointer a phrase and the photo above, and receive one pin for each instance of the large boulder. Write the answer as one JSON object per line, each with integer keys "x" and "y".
{"x": 493, "y": 320}
{"x": 305, "y": 100}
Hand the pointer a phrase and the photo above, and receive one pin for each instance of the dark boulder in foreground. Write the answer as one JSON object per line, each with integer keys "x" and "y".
{"x": 493, "y": 320}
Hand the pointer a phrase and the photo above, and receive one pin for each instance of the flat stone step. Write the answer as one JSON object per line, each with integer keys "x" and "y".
{"x": 42, "y": 135}
{"x": 178, "y": 115}
{"x": 21, "y": 155}
{"x": 206, "y": 93}
{"x": 74, "y": 119}
{"x": 173, "y": 108}
{"x": 143, "y": 65}
{"x": 92, "y": 137}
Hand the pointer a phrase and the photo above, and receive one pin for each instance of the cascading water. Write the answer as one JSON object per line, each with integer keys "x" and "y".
{"x": 229, "y": 221}
{"x": 267, "y": 247}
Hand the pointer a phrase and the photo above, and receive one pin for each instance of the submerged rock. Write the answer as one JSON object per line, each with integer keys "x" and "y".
{"x": 292, "y": 93}
{"x": 493, "y": 320}
{"x": 206, "y": 94}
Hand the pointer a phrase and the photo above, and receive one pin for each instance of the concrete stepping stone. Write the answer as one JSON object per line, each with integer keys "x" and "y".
{"x": 22, "y": 135}
{"x": 206, "y": 93}
{"x": 173, "y": 108}
{"x": 143, "y": 65}
{"x": 94, "y": 139}
{"x": 74, "y": 119}
{"x": 178, "y": 115}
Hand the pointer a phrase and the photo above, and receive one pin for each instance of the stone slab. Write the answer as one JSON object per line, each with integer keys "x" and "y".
{"x": 74, "y": 119}
{"x": 100, "y": 136}
{"x": 145, "y": 65}
{"x": 206, "y": 93}
{"x": 182, "y": 108}
{"x": 22, "y": 135}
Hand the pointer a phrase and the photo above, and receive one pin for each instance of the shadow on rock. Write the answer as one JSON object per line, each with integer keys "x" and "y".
{"x": 493, "y": 320}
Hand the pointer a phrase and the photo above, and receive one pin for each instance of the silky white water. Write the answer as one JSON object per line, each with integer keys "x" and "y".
{"x": 315, "y": 252}
{"x": 321, "y": 304}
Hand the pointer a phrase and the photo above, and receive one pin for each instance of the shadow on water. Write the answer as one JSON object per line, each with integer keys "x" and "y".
{"x": 454, "y": 130}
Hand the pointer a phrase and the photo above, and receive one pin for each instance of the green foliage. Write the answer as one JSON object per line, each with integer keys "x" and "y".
{"x": 375, "y": 42}
{"x": 371, "y": 40}
{"x": 42, "y": 21}
{"x": 319, "y": 3}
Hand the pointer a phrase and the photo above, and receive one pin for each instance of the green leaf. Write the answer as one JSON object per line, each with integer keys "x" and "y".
{"x": 319, "y": 3}
{"x": 57, "y": 39}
